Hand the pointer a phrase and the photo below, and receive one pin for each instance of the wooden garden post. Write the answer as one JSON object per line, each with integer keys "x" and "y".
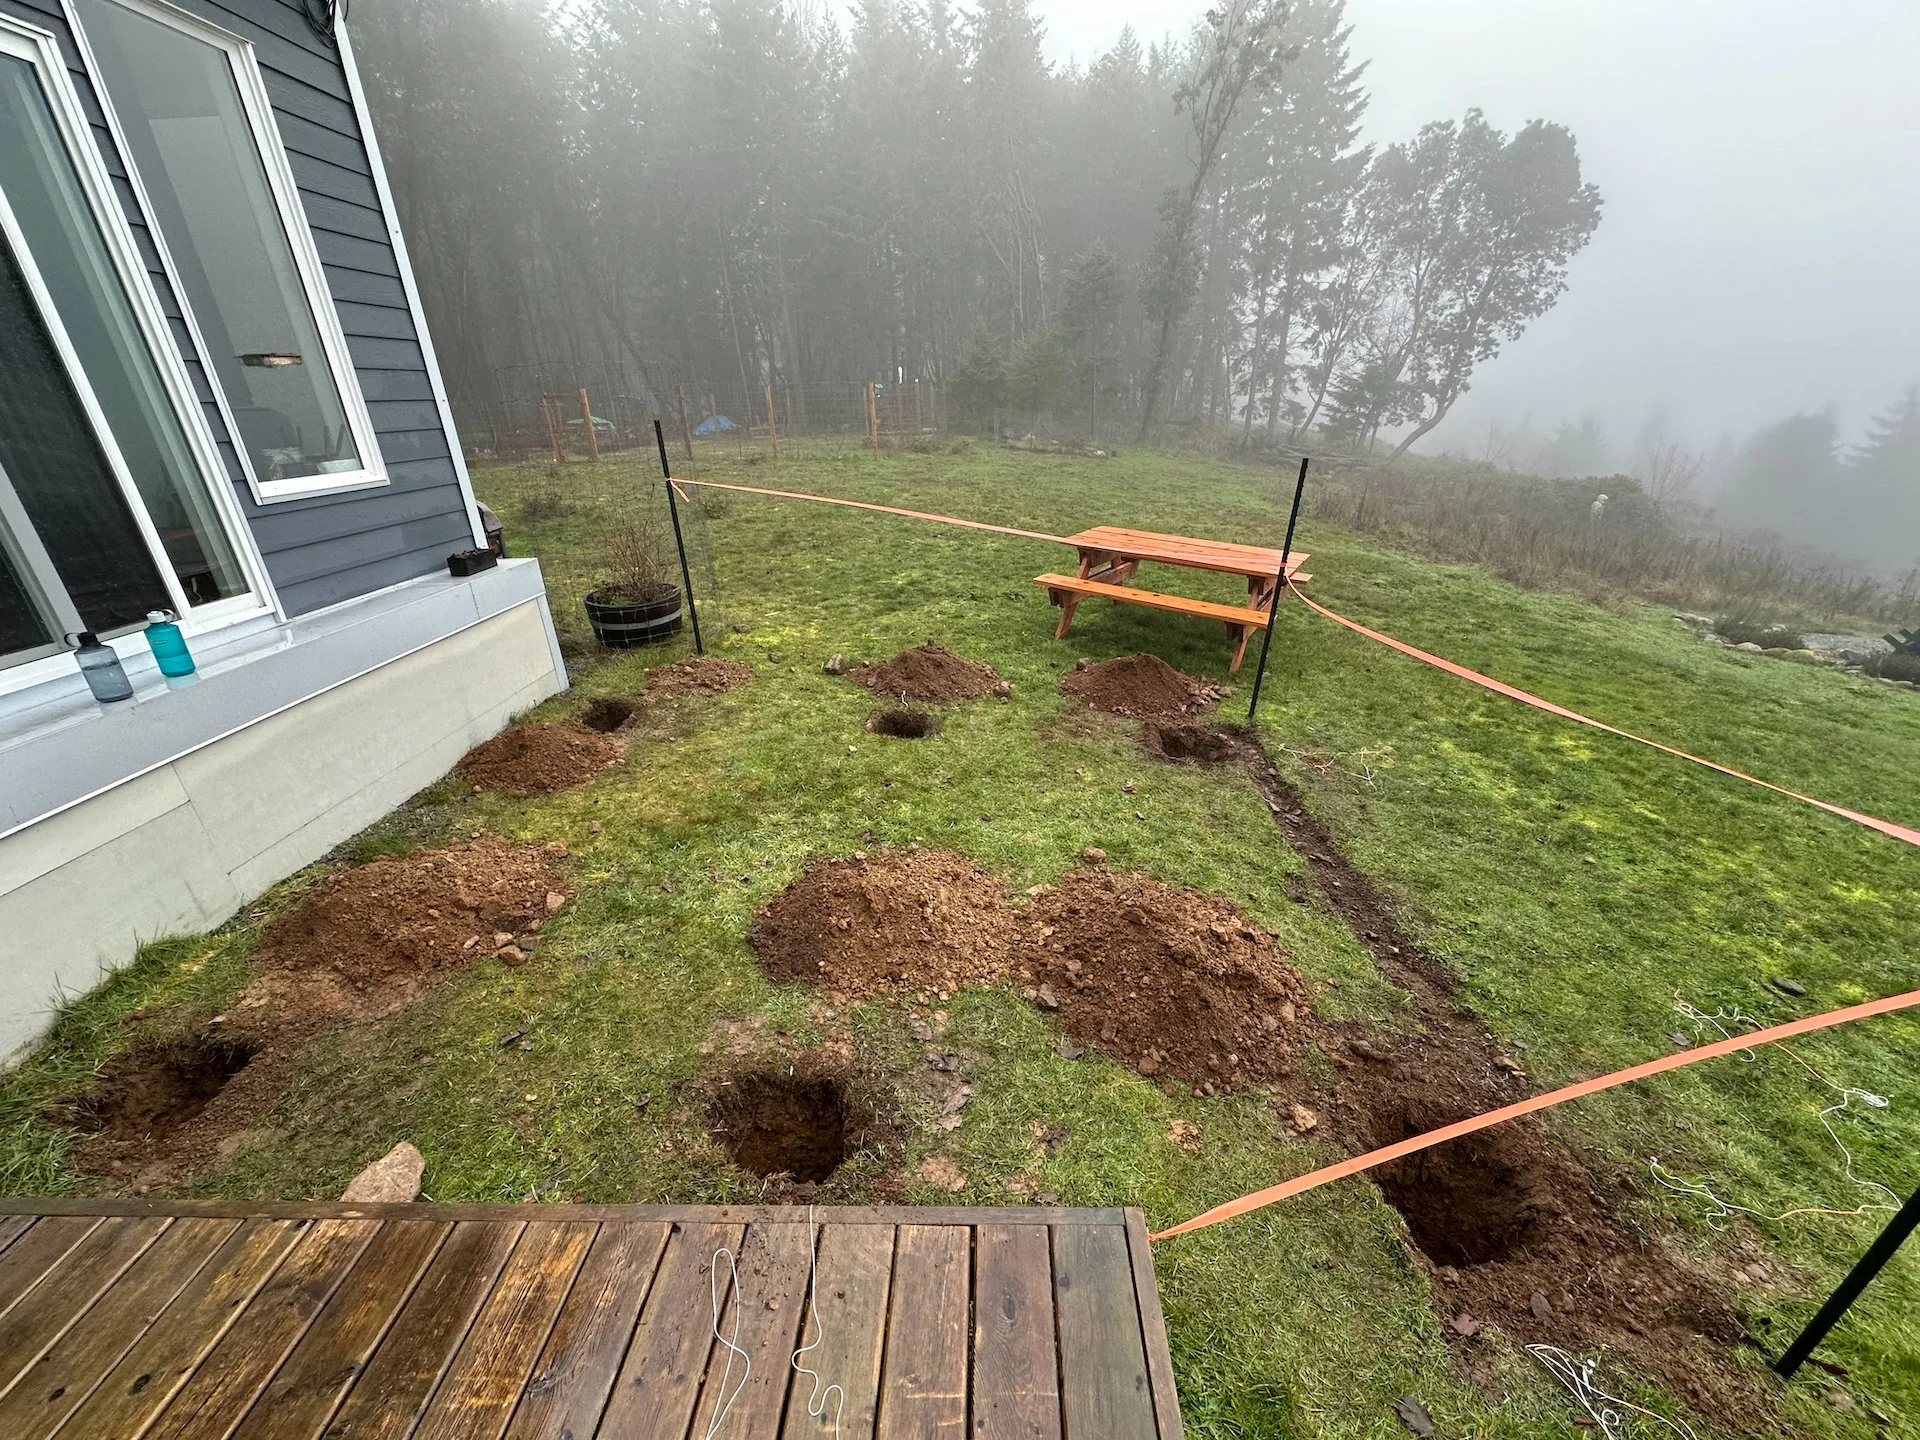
{"x": 586, "y": 419}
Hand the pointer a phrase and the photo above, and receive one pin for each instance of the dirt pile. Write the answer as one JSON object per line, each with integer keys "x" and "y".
{"x": 929, "y": 672}
{"x": 366, "y": 938}
{"x": 359, "y": 946}
{"x": 702, "y": 675}
{"x": 1144, "y": 686}
{"x": 1169, "y": 981}
{"x": 915, "y": 920}
{"x": 1172, "y": 982}
{"x": 539, "y": 758}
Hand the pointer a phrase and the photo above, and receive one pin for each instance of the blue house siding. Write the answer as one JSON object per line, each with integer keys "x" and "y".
{"x": 325, "y": 549}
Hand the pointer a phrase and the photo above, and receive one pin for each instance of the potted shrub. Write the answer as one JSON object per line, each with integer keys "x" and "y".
{"x": 634, "y": 603}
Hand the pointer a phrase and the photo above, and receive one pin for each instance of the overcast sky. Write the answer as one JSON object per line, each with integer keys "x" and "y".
{"x": 1759, "y": 250}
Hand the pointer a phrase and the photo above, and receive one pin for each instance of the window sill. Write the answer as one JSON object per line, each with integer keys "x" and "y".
{"x": 307, "y": 487}
{"x": 58, "y": 746}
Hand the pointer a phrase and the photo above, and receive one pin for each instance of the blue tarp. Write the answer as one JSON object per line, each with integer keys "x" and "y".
{"x": 714, "y": 425}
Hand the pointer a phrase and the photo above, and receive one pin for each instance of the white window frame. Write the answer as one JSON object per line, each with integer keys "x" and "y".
{"x": 257, "y": 106}
{"x": 40, "y": 49}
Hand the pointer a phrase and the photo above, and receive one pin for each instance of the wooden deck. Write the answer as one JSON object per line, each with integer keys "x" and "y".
{"x": 171, "y": 1320}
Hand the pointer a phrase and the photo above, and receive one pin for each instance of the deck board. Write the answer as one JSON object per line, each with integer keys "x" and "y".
{"x": 315, "y": 1377}
{"x": 184, "y": 1319}
{"x": 152, "y": 1372}
{"x": 223, "y": 1387}
{"x": 1104, "y": 1388}
{"x": 394, "y": 1390}
{"x": 845, "y": 1330}
{"x": 924, "y": 1393}
{"x": 62, "y": 1377}
{"x": 1016, "y": 1371}
{"x": 575, "y": 1373}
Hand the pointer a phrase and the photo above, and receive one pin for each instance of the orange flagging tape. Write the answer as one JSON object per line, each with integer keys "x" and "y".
{"x": 681, "y": 485}
{"x": 1327, "y": 1174}
{"x": 1873, "y": 822}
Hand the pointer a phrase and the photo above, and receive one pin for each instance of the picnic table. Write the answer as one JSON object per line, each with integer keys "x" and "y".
{"x": 1110, "y": 556}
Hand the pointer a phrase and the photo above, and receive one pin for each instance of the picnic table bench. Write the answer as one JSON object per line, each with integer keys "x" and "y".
{"x": 1110, "y": 555}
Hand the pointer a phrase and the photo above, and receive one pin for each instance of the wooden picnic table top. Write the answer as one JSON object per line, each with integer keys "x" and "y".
{"x": 170, "y": 1319}
{"x": 1195, "y": 554}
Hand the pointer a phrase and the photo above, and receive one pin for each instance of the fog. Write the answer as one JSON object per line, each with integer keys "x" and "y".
{"x": 1671, "y": 242}
{"x": 1757, "y": 255}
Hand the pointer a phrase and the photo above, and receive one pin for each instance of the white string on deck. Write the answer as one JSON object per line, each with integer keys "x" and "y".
{"x": 725, "y": 1402}
{"x": 816, "y": 1396}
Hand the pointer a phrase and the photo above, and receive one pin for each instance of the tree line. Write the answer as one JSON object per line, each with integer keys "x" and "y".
{"x": 738, "y": 194}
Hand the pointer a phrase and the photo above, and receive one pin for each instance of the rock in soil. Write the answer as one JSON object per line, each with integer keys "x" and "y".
{"x": 922, "y": 920}
{"x": 928, "y": 672}
{"x": 393, "y": 1179}
{"x": 1144, "y": 686}
{"x": 537, "y": 759}
{"x": 1170, "y": 981}
{"x": 702, "y": 675}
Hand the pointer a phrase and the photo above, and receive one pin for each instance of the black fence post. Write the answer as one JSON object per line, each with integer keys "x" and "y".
{"x": 679, "y": 541}
{"x": 1279, "y": 584}
{"x": 1869, "y": 1265}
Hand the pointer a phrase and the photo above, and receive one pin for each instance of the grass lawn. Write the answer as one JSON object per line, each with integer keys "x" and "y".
{"x": 1573, "y": 882}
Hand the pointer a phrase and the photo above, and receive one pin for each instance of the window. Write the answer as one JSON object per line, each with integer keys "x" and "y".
{"x": 191, "y": 108}
{"x": 109, "y": 498}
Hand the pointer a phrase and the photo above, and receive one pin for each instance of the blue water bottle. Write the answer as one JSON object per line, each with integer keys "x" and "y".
{"x": 101, "y": 668}
{"x": 169, "y": 646}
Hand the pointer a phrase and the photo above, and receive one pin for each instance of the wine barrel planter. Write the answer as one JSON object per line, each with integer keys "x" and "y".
{"x": 627, "y": 624}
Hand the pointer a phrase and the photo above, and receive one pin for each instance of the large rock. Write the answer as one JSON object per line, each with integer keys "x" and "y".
{"x": 393, "y": 1179}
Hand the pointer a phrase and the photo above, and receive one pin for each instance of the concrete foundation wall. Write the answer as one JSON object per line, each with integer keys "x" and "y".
{"x": 183, "y": 846}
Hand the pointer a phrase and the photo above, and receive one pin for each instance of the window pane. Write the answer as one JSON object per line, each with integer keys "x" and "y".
{"x": 21, "y": 627}
{"x": 40, "y": 184}
{"x": 181, "y": 109}
{"x": 56, "y": 466}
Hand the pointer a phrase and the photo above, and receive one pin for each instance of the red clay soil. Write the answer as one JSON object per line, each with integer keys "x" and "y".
{"x": 381, "y": 928}
{"x": 702, "y": 675}
{"x": 1144, "y": 686}
{"x": 1512, "y": 1223}
{"x": 1170, "y": 981}
{"x": 1173, "y": 982}
{"x": 537, "y": 759}
{"x": 929, "y": 672}
{"x": 360, "y": 946}
{"x": 922, "y": 920}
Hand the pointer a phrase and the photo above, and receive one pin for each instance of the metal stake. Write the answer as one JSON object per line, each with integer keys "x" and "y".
{"x": 1858, "y": 1278}
{"x": 1279, "y": 584}
{"x": 679, "y": 541}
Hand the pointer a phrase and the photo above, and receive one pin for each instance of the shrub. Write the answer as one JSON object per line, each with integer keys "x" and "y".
{"x": 543, "y": 505}
{"x": 632, "y": 564}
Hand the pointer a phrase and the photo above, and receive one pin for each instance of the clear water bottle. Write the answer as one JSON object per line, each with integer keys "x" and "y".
{"x": 101, "y": 668}
{"x": 169, "y": 646}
